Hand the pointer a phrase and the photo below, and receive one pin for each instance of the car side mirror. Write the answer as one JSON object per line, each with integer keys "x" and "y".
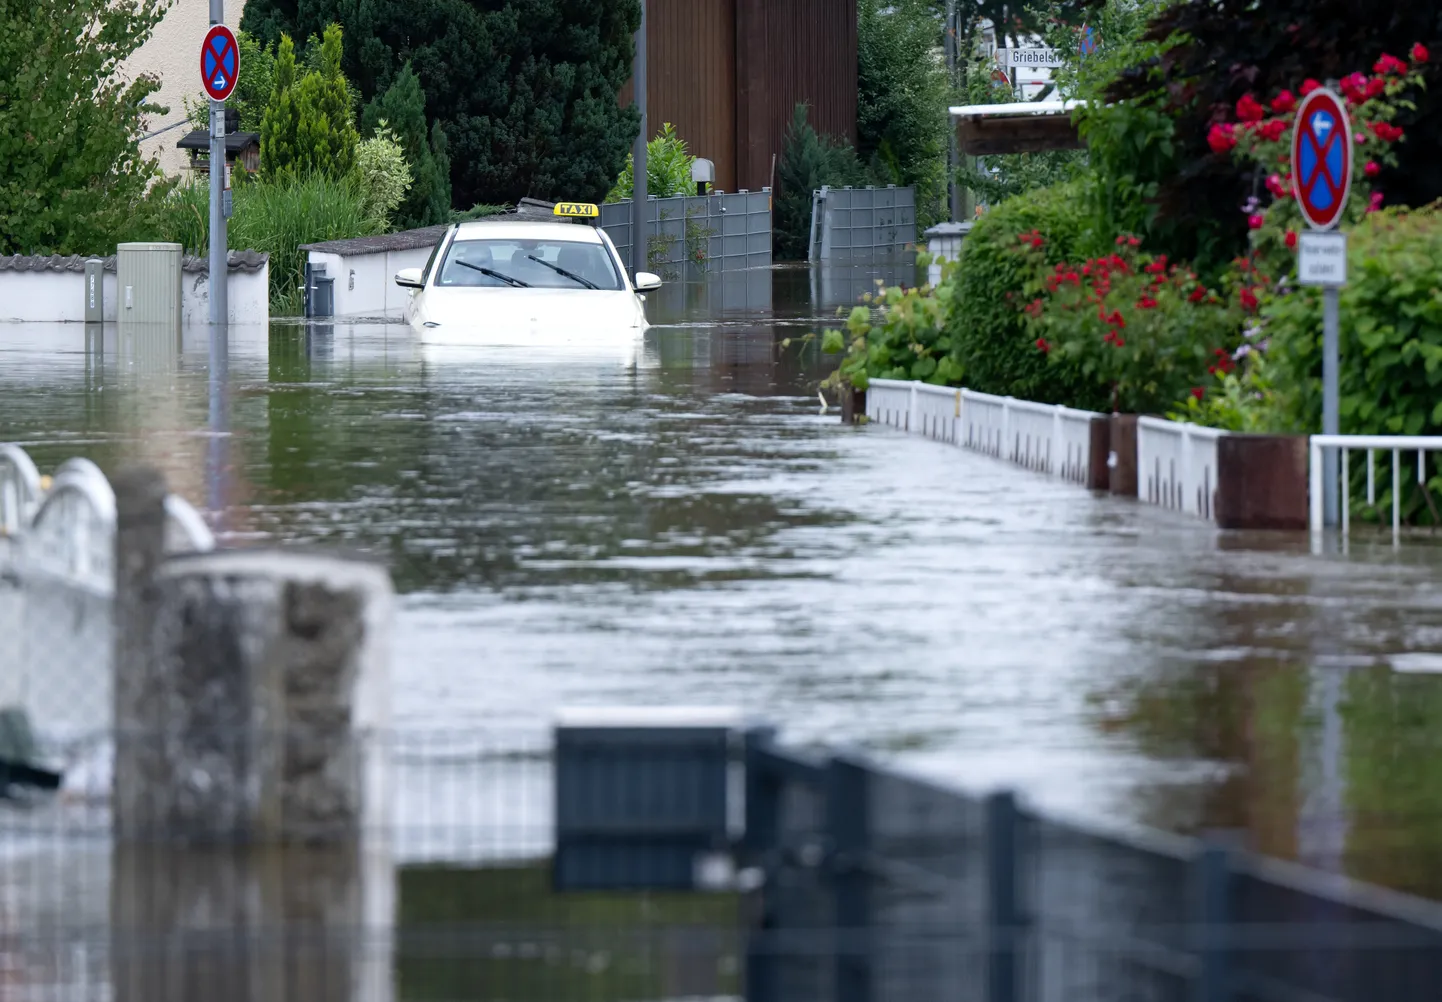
{"x": 409, "y": 278}
{"x": 647, "y": 282}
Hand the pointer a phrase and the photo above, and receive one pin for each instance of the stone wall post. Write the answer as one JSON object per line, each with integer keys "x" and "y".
{"x": 251, "y": 861}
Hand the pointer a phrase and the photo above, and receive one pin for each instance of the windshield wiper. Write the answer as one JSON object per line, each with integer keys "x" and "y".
{"x": 564, "y": 273}
{"x": 491, "y": 273}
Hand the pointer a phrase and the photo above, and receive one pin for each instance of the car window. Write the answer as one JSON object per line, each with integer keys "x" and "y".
{"x": 540, "y": 264}
{"x": 431, "y": 261}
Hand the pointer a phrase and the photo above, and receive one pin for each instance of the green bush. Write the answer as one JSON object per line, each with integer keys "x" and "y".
{"x": 808, "y": 161}
{"x": 276, "y": 217}
{"x": 993, "y": 344}
{"x": 382, "y": 173}
{"x": 898, "y": 334}
{"x": 403, "y": 107}
{"x": 668, "y": 169}
{"x": 309, "y": 125}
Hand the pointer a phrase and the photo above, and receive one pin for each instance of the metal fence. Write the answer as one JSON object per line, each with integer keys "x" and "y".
{"x": 693, "y": 236}
{"x": 1397, "y": 453}
{"x": 862, "y": 224}
{"x": 1048, "y": 439}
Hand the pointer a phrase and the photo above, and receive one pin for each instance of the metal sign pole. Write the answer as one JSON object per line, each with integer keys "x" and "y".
{"x": 639, "y": 178}
{"x": 953, "y": 160}
{"x": 1331, "y": 401}
{"x": 219, "y": 271}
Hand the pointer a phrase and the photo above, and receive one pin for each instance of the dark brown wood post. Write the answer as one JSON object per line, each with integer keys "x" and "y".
{"x": 1262, "y": 482}
{"x": 1123, "y": 462}
{"x": 1099, "y": 473}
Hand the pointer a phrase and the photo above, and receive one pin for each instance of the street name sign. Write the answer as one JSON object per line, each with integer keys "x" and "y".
{"x": 219, "y": 63}
{"x": 1029, "y": 57}
{"x": 1322, "y": 159}
{"x": 1323, "y": 259}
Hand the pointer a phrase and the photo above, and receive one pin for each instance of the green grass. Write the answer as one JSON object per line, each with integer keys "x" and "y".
{"x": 276, "y": 218}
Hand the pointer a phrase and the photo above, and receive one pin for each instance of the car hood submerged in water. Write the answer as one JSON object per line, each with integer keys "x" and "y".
{"x": 522, "y": 316}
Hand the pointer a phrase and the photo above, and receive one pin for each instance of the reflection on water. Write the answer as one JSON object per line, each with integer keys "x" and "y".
{"x": 691, "y": 529}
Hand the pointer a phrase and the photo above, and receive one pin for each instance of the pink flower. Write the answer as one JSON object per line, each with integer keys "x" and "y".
{"x": 1376, "y": 202}
{"x": 1387, "y": 132}
{"x": 1372, "y": 169}
{"x": 1248, "y": 110}
{"x": 1256, "y": 221}
{"x": 1291, "y": 239}
{"x": 1354, "y": 87}
{"x": 1420, "y": 53}
{"x": 1284, "y": 102}
{"x": 1309, "y": 85}
{"x": 1198, "y": 392}
{"x": 1389, "y": 65}
{"x": 1222, "y": 137}
{"x": 1272, "y": 130}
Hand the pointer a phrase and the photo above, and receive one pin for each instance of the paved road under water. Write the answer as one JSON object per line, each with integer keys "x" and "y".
{"x": 566, "y": 531}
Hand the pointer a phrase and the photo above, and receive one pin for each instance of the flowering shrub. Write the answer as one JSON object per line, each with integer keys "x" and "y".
{"x": 1145, "y": 328}
{"x": 1262, "y": 135}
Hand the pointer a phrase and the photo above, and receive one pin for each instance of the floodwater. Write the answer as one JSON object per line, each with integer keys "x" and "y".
{"x": 568, "y": 531}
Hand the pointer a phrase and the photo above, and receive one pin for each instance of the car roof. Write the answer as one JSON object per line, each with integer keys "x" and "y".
{"x": 528, "y": 230}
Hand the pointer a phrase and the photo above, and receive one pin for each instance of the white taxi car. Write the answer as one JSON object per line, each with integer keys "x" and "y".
{"x": 530, "y": 282}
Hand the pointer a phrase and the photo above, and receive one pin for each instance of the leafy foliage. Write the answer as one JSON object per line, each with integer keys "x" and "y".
{"x": 382, "y": 174}
{"x": 72, "y": 177}
{"x": 403, "y": 106}
{"x": 1216, "y": 52}
{"x": 903, "y": 92}
{"x": 525, "y": 90}
{"x": 1143, "y": 328}
{"x": 668, "y": 168}
{"x": 899, "y": 333}
{"x": 808, "y": 161}
{"x": 275, "y": 217}
{"x": 991, "y": 338}
{"x": 308, "y": 125}
{"x": 278, "y": 141}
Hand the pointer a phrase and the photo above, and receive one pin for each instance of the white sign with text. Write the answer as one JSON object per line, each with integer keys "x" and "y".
{"x": 1029, "y": 57}
{"x": 1323, "y": 259}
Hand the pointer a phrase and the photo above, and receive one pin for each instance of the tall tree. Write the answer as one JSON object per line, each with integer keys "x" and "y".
{"x": 308, "y": 126}
{"x": 403, "y": 108}
{"x": 278, "y": 148}
{"x": 525, "y": 89}
{"x": 71, "y": 170}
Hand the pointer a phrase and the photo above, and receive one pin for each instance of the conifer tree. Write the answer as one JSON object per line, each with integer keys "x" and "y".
{"x": 403, "y": 107}
{"x": 808, "y": 161}
{"x": 278, "y": 148}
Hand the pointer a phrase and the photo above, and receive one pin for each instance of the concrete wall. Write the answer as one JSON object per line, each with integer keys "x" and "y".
{"x": 59, "y": 296}
{"x": 173, "y": 54}
{"x": 365, "y": 284}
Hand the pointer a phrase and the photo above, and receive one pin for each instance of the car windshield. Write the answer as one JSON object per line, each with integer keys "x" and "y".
{"x": 538, "y": 264}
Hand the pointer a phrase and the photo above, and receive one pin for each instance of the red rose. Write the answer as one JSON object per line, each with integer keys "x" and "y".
{"x": 1372, "y": 169}
{"x": 1420, "y": 53}
{"x": 1146, "y": 303}
{"x": 1221, "y": 137}
{"x": 1248, "y": 299}
{"x": 1248, "y": 110}
{"x": 1387, "y": 132}
{"x": 1272, "y": 130}
{"x": 1389, "y": 64}
{"x": 1309, "y": 85}
{"x": 1376, "y": 202}
{"x": 1291, "y": 239}
{"x": 1256, "y": 221}
{"x": 1198, "y": 392}
{"x": 1376, "y": 87}
{"x": 1284, "y": 102}
{"x": 1043, "y": 345}
{"x": 1354, "y": 87}
{"x": 1198, "y": 294}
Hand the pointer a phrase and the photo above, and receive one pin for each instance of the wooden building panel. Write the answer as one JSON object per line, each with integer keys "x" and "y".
{"x": 691, "y": 78}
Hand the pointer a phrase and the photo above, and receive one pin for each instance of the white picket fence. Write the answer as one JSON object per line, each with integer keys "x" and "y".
{"x": 57, "y": 552}
{"x": 1177, "y": 466}
{"x": 1042, "y": 437}
{"x": 1400, "y": 446}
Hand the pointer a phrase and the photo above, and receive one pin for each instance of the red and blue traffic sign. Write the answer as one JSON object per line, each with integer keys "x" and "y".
{"x": 219, "y": 62}
{"x": 1322, "y": 159}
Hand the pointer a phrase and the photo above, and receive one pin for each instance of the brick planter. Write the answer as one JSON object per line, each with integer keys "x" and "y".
{"x": 1123, "y": 452}
{"x": 1262, "y": 482}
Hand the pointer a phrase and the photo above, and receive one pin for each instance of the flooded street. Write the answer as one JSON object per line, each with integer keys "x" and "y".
{"x": 568, "y": 531}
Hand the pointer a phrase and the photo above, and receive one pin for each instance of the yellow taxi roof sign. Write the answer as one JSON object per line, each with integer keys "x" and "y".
{"x": 582, "y": 210}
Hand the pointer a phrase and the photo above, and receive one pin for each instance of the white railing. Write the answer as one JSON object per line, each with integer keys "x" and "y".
{"x": 20, "y": 489}
{"x": 55, "y": 616}
{"x": 1400, "y": 446}
{"x": 1177, "y": 466}
{"x": 1048, "y": 439}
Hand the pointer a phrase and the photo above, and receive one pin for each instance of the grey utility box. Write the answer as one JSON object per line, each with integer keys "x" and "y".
{"x": 94, "y": 291}
{"x": 648, "y": 798}
{"x": 147, "y": 284}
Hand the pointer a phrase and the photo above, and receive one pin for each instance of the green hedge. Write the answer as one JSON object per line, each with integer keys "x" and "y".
{"x": 990, "y": 339}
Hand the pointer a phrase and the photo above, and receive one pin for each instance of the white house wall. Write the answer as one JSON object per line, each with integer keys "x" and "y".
{"x": 173, "y": 54}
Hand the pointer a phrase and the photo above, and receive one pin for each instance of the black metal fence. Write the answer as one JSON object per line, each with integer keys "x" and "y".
{"x": 852, "y": 882}
{"x": 878, "y": 886}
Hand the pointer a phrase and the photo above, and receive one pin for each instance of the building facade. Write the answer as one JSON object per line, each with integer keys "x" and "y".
{"x": 173, "y": 55}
